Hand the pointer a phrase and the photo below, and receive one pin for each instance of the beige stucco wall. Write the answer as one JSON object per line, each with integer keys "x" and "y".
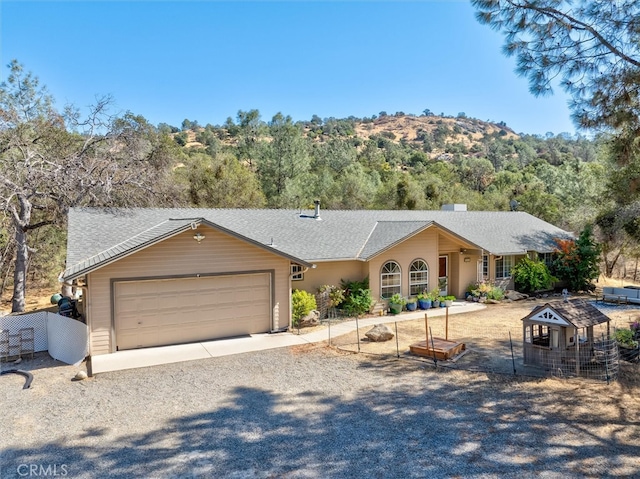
{"x": 505, "y": 283}
{"x": 468, "y": 272}
{"x": 428, "y": 246}
{"x": 178, "y": 256}
{"x": 331, "y": 272}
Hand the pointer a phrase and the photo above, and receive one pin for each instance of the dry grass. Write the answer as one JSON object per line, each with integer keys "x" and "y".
{"x": 486, "y": 335}
{"x": 35, "y": 299}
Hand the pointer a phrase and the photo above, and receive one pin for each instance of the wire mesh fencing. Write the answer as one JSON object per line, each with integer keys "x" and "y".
{"x": 491, "y": 346}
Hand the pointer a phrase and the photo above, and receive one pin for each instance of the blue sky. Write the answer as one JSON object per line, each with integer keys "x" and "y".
{"x": 205, "y": 60}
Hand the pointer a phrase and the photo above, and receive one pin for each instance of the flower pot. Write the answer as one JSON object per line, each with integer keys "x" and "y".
{"x": 395, "y": 308}
{"x": 435, "y": 304}
{"x": 424, "y": 303}
{"x": 443, "y": 304}
{"x": 448, "y": 303}
{"x": 412, "y": 306}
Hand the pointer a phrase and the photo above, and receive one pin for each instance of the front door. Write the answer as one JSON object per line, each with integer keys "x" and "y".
{"x": 443, "y": 275}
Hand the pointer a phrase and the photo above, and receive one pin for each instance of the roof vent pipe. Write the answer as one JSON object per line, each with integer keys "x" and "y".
{"x": 316, "y": 213}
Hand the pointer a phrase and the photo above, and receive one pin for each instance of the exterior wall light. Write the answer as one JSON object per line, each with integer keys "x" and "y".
{"x": 198, "y": 237}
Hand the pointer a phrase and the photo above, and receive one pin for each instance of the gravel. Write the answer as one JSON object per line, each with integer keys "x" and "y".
{"x": 312, "y": 412}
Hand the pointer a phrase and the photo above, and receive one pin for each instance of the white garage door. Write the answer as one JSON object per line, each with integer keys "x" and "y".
{"x": 172, "y": 311}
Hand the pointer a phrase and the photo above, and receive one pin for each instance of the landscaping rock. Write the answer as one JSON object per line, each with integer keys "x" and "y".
{"x": 80, "y": 376}
{"x": 311, "y": 319}
{"x": 379, "y": 333}
{"x": 514, "y": 295}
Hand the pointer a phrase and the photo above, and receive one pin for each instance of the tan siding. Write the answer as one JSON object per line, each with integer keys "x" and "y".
{"x": 447, "y": 245}
{"x": 331, "y": 273}
{"x": 181, "y": 255}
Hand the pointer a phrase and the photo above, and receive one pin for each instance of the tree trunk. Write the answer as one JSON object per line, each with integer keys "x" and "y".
{"x": 20, "y": 272}
{"x": 21, "y": 221}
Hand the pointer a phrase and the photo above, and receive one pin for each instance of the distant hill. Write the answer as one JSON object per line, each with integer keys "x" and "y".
{"x": 437, "y": 136}
{"x": 411, "y": 128}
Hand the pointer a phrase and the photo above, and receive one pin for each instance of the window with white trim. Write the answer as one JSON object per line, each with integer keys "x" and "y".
{"x": 418, "y": 277}
{"x": 503, "y": 267}
{"x": 485, "y": 266}
{"x": 297, "y": 272}
{"x": 546, "y": 258}
{"x": 390, "y": 279}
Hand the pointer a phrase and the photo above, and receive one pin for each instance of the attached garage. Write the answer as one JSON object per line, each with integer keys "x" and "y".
{"x": 162, "y": 277}
{"x": 158, "y": 312}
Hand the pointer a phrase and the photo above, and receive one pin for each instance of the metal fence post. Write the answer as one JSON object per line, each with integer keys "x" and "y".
{"x": 397, "y": 347}
{"x": 513, "y": 359}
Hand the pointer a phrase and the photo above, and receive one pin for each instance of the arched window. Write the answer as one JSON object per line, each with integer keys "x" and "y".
{"x": 390, "y": 279}
{"x": 418, "y": 277}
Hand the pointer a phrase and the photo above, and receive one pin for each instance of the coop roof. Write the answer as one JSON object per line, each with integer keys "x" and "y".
{"x": 578, "y": 312}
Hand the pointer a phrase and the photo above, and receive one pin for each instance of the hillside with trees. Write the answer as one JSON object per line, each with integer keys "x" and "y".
{"x": 54, "y": 159}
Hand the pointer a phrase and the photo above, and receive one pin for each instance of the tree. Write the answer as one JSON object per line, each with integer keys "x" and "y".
{"x": 220, "y": 181}
{"x": 51, "y": 161}
{"x": 249, "y": 130}
{"x": 592, "y": 47}
{"x": 284, "y": 158}
{"x": 577, "y": 262}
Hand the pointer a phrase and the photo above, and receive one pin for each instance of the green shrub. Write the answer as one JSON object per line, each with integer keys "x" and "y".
{"x": 530, "y": 276}
{"x": 624, "y": 337}
{"x": 358, "y": 302}
{"x": 496, "y": 293}
{"x": 302, "y": 303}
{"x": 357, "y": 297}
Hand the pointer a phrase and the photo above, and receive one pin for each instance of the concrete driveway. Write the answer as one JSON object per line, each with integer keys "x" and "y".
{"x": 138, "y": 358}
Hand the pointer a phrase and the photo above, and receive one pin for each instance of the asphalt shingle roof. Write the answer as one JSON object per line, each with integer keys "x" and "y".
{"x": 578, "y": 312}
{"x": 97, "y": 236}
{"x": 385, "y": 234}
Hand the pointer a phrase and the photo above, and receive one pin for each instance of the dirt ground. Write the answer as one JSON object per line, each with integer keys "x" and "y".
{"x": 35, "y": 299}
{"x": 490, "y": 335}
{"x": 340, "y": 409}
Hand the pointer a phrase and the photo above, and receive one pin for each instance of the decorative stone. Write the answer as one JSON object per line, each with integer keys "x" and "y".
{"x": 379, "y": 333}
{"x": 311, "y": 319}
{"x": 80, "y": 376}
{"x": 514, "y": 295}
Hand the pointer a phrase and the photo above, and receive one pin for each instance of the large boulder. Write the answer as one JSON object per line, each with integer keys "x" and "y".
{"x": 514, "y": 295}
{"x": 379, "y": 333}
{"x": 311, "y": 319}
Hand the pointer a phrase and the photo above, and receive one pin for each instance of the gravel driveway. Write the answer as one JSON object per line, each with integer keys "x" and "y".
{"x": 313, "y": 412}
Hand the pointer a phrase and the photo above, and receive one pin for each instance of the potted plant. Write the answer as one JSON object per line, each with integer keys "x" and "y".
{"x": 396, "y": 302}
{"x": 433, "y": 296}
{"x": 424, "y": 300}
{"x": 448, "y": 300}
{"x": 469, "y": 292}
{"x": 441, "y": 301}
{"x": 412, "y": 304}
